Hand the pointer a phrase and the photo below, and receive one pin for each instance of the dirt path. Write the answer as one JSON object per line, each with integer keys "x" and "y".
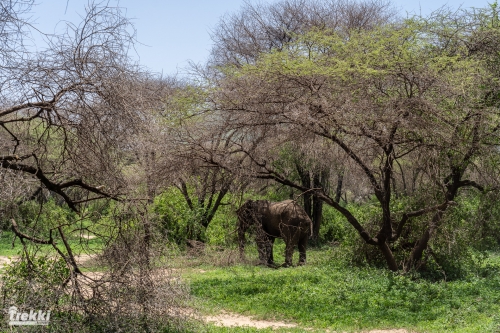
{"x": 231, "y": 319}
{"x": 80, "y": 259}
{"x": 389, "y": 331}
{"x": 4, "y": 260}
{"x": 226, "y": 319}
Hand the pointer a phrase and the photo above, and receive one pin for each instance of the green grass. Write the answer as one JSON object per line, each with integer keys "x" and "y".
{"x": 326, "y": 294}
{"x": 323, "y": 295}
{"x": 77, "y": 245}
{"x": 6, "y": 248}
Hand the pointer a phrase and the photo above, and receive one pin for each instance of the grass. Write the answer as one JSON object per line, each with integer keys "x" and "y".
{"x": 324, "y": 295}
{"x": 77, "y": 245}
{"x": 6, "y": 248}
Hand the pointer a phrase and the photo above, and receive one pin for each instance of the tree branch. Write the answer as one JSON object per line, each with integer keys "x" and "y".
{"x": 54, "y": 187}
{"x": 407, "y": 216}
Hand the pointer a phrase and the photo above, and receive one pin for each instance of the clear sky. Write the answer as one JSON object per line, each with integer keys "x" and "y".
{"x": 175, "y": 31}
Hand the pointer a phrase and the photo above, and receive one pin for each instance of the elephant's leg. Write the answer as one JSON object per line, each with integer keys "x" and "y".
{"x": 290, "y": 238}
{"x": 262, "y": 240}
{"x": 270, "y": 256}
{"x": 289, "y": 253}
{"x": 263, "y": 253}
{"x": 302, "y": 250}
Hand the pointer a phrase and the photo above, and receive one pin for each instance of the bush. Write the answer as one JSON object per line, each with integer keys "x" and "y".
{"x": 41, "y": 217}
{"x": 175, "y": 217}
{"x": 467, "y": 233}
{"x": 177, "y": 221}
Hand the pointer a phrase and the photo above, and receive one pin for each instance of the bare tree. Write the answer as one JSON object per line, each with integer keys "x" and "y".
{"x": 61, "y": 105}
{"x": 14, "y": 26}
{"x": 176, "y": 131}
{"x": 240, "y": 38}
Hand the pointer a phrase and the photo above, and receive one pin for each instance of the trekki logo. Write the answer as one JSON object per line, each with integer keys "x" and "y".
{"x": 34, "y": 317}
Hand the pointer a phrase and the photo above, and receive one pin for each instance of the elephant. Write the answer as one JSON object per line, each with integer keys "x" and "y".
{"x": 285, "y": 219}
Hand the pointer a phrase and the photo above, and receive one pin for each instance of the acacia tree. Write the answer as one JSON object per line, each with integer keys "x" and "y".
{"x": 240, "y": 38}
{"x": 393, "y": 99}
{"x": 257, "y": 29}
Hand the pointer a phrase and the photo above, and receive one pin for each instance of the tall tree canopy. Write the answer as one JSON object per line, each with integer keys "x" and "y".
{"x": 394, "y": 100}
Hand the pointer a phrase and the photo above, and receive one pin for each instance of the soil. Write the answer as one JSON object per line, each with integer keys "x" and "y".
{"x": 231, "y": 319}
{"x": 227, "y": 319}
{"x": 83, "y": 259}
{"x": 7, "y": 260}
{"x": 389, "y": 331}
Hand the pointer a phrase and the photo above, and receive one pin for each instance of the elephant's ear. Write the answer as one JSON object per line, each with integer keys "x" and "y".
{"x": 245, "y": 210}
{"x": 250, "y": 206}
{"x": 242, "y": 209}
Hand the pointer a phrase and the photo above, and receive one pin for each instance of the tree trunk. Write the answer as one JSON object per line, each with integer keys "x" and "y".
{"x": 319, "y": 181}
{"x": 422, "y": 243}
{"x": 338, "y": 190}
{"x": 150, "y": 160}
{"x": 389, "y": 257}
{"x": 305, "y": 179}
{"x": 317, "y": 217}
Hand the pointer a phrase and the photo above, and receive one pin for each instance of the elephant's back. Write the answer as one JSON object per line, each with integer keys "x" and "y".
{"x": 289, "y": 209}
{"x": 286, "y": 205}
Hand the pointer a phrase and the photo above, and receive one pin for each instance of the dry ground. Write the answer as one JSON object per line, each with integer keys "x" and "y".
{"x": 227, "y": 319}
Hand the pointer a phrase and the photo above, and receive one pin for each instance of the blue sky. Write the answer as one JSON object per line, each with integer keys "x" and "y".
{"x": 175, "y": 31}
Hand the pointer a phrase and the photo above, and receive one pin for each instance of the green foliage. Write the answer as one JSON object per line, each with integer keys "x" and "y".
{"x": 44, "y": 216}
{"x": 373, "y": 54}
{"x": 37, "y": 219}
{"x": 34, "y": 284}
{"x": 487, "y": 222}
{"x": 468, "y": 233}
{"x": 48, "y": 270}
{"x": 334, "y": 227}
{"x": 177, "y": 220}
{"x": 337, "y": 231}
{"x": 222, "y": 230}
{"x": 175, "y": 216}
{"x": 469, "y": 230}
{"x": 182, "y": 104}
